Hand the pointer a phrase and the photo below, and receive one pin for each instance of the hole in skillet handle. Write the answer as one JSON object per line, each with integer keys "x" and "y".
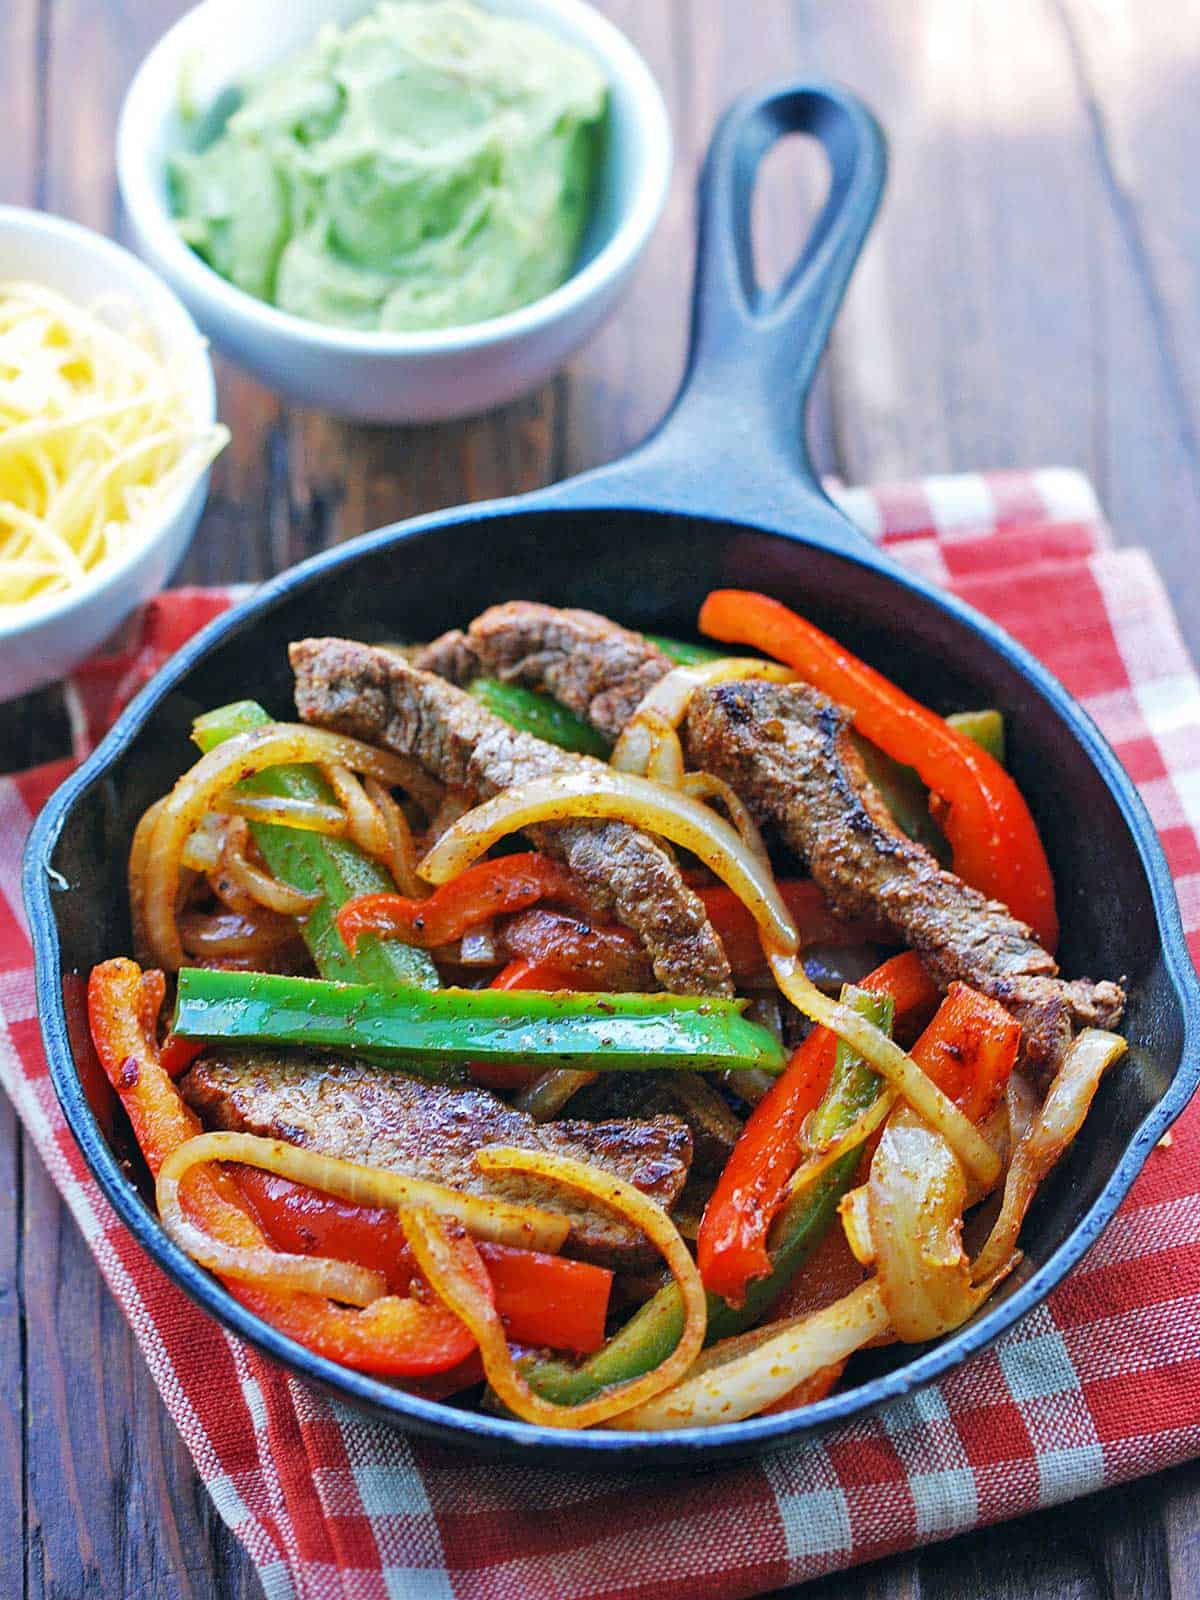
{"x": 791, "y": 185}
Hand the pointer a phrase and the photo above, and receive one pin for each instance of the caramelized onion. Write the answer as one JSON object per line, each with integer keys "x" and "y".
{"x": 310, "y": 816}
{"x": 260, "y": 885}
{"x": 707, "y": 786}
{"x": 498, "y": 1221}
{"x": 916, "y": 1195}
{"x": 338, "y": 1280}
{"x": 435, "y": 1257}
{"x": 202, "y": 851}
{"x": 1066, "y": 1105}
{"x": 730, "y": 1382}
{"x": 595, "y": 792}
{"x": 545, "y": 1097}
{"x": 139, "y": 858}
{"x": 859, "y": 1131}
{"x": 215, "y": 936}
{"x": 364, "y": 825}
{"x": 854, "y": 1210}
{"x": 890, "y": 1061}
{"x": 649, "y": 744}
{"x": 159, "y": 853}
{"x": 401, "y": 853}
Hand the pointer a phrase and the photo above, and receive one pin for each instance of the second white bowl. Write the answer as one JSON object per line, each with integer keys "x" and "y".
{"x": 390, "y": 377}
{"x": 43, "y": 640}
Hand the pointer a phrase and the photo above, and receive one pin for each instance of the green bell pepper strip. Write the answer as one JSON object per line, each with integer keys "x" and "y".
{"x": 540, "y": 715}
{"x": 802, "y": 1223}
{"x": 591, "y": 1032}
{"x": 336, "y": 869}
{"x": 902, "y": 791}
{"x": 905, "y": 796}
{"x": 653, "y": 1331}
{"x": 985, "y": 727}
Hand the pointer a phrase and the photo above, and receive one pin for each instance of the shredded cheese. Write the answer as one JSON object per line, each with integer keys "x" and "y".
{"x": 95, "y": 432}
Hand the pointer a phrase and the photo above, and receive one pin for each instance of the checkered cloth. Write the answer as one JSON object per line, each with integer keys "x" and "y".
{"x": 1100, "y": 1384}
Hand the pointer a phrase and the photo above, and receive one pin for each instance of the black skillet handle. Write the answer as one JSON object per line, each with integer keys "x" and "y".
{"x": 733, "y": 444}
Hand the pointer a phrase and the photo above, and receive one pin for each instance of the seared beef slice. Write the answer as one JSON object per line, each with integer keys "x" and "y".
{"x": 785, "y": 749}
{"x": 376, "y": 695}
{"x": 380, "y": 1118}
{"x": 594, "y": 667}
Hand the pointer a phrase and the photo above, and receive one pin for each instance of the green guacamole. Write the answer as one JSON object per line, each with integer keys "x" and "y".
{"x": 429, "y": 166}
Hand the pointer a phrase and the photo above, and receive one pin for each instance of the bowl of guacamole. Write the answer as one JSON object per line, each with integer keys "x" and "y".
{"x": 400, "y": 211}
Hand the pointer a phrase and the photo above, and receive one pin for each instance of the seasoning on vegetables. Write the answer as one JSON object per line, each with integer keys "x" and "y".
{"x": 476, "y": 1074}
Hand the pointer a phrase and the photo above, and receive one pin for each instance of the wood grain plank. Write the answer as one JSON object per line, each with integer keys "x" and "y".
{"x": 1137, "y": 87}
{"x": 21, "y": 42}
{"x": 1177, "y": 1495}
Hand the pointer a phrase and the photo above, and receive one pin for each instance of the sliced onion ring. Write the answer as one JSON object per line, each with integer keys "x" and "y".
{"x": 890, "y": 1061}
{"x": 401, "y": 848}
{"x": 545, "y": 1097}
{"x": 139, "y": 861}
{"x": 596, "y": 792}
{"x": 308, "y": 816}
{"x": 364, "y": 824}
{"x": 246, "y": 753}
{"x": 662, "y": 708}
{"x": 224, "y": 934}
{"x": 747, "y": 1381}
{"x": 1067, "y": 1103}
{"x": 856, "y": 1225}
{"x": 916, "y": 1194}
{"x": 276, "y": 1269}
{"x": 707, "y": 786}
{"x": 260, "y": 885}
{"x": 435, "y": 1259}
{"x": 859, "y": 1131}
{"x": 498, "y": 1221}
{"x": 202, "y": 851}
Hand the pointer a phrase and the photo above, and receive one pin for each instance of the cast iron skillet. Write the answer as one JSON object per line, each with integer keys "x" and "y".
{"x": 723, "y": 493}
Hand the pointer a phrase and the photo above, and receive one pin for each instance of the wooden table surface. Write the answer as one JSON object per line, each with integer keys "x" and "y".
{"x": 1031, "y": 295}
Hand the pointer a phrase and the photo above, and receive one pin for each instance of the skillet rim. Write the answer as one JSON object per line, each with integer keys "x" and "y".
{"x": 498, "y": 1434}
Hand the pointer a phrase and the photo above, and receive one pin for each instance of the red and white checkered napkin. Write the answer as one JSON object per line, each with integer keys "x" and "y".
{"x": 1100, "y": 1384}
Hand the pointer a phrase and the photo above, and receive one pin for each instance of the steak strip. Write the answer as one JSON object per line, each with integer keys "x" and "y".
{"x": 786, "y": 750}
{"x": 595, "y": 668}
{"x": 376, "y": 695}
{"x": 380, "y": 1118}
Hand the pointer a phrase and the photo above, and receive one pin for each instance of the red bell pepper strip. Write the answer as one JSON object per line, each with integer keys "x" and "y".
{"x": 993, "y": 837}
{"x": 969, "y": 1049}
{"x": 548, "y": 1300}
{"x": 394, "y": 1337}
{"x": 543, "y": 1300}
{"x": 811, "y": 913}
{"x": 178, "y": 1054}
{"x": 731, "y": 1247}
{"x": 488, "y": 889}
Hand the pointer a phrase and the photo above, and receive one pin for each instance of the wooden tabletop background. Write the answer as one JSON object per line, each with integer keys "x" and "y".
{"x": 1031, "y": 296}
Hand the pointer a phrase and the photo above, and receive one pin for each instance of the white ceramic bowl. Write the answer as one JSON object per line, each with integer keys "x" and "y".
{"x": 42, "y": 641}
{"x": 390, "y": 377}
